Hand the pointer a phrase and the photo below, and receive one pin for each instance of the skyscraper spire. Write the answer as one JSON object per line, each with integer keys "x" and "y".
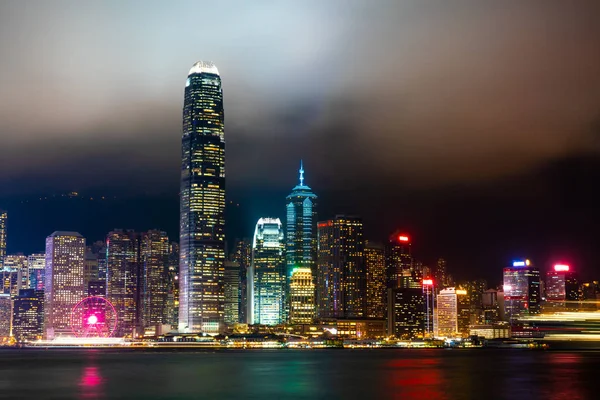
{"x": 301, "y": 174}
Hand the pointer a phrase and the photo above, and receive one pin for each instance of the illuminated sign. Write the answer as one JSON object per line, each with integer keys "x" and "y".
{"x": 561, "y": 268}
{"x": 427, "y": 282}
{"x": 507, "y": 288}
{"x": 521, "y": 263}
{"x": 403, "y": 238}
{"x": 460, "y": 291}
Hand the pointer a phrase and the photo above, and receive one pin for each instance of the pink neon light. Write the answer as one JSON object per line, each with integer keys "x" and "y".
{"x": 428, "y": 282}
{"x": 561, "y": 268}
{"x": 92, "y": 319}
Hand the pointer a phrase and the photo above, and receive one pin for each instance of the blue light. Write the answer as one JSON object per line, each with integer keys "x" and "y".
{"x": 519, "y": 263}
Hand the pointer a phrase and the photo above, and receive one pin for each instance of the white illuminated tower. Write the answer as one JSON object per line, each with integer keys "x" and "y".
{"x": 64, "y": 283}
{"x": 202, "y": 203}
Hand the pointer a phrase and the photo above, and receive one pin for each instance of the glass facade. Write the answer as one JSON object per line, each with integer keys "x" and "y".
{"x": 301, "y": 231}
{"x": 28, "y": 315}
{"x": 232, "y": 292}
{"x": 302, "y": 296}
{"x": 406, "y": 313}
{"x": 243, "y": 256}
{"x": 399, "y": 267}
{"x": 64, "y": 285}
{"x": 36, "y": 264}
{"x": 202, "y": 211}
{"x": 3, "y": 218}
{"x": 522, "y": 294}
{"x": 267, "y": 273}
{"x": 445, "y": 323}
{"x": 341, "y": 276}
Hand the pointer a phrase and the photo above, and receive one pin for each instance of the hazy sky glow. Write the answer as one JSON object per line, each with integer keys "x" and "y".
{"x": 449, "y": 112}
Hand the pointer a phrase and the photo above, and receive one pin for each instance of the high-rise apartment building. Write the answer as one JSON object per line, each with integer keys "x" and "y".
{"x": 301, "y": 231}
{"x": 445, "y": 323}
{"x": 63, "y": 282}
{"x": 302, "y": 296}
{"x": 267, "y": 273}
{"x": 36, "y": 264}
{"x": 376, "y": 280}
{"x": 28, "y": 315}
{"x": 522, "y": 295}
{"x": 154, "y": 260}
{"x": 3, "y": 218}
{"x": 341, "y": 275}
{"x": 202, "y": 211}
{"x": 122, "y": 281}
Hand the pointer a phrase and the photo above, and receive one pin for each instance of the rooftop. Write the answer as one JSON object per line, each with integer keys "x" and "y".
{"x": 204, "y": 67}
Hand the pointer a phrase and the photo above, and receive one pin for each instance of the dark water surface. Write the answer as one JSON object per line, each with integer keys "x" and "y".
{"x": 299, "y": 374}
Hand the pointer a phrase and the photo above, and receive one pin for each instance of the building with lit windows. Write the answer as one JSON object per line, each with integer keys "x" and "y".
{"x": 232, "y": 292}
{"x": 123, "y": 278}
{"x": 301, "y": 230}
{"x": 173, "y": 285}
{"x": 3, "y": 218}
{"x": 562, "y": 290}
{"x": 90, "y": 267}
{"x": 376, "y": 280}
{"x": 17, "y": 264}
{"x": 406, "y": 313}
{"x": 522, "y": 295}
{"x": 399, "y": 265}
{"x": 445, "y": 322}
{"x": 36, "y": 264}
{"x": 302, "y": 296}
{"x": 5, "y": 316}
{"x": 28, "y": 315}
{"x": 341, "y": 275}
{"x": 242, "y": 255}
{"x": 202, "y": 211}
{"x": 154, "y": 260}
{"x": 267, "y": 273}
{"x": 64, "y": 286}
{"x": 493, "y": 306}
{"x": 96, "y": 288}
{"x": 465, "y": 315}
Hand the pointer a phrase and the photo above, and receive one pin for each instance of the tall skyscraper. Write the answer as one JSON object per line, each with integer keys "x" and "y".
{"x": 17, "y": 263}
{"x": 243, "y": 257}
{"x": 3, "y": 218}
{"x": 173, "y": 285}
{"x": 202, "y": 212}
{"x": 562, "y": 290}
{"x": 400, "y": 273}
{"x": 341, "y": 275}
{"x": 64, "y": 288}
{"x": 301, "y": 232}
{"x": 376, "y": 280}
{"x": 232, "y": 292}
{"x": 36, "y": 264}
{"x": 122, "y": 281}
{"x": 267, "y": 273}
{"x": 5, "y": 317}
{"x": 522, "y": 294}
{"x": 302, "y": 296}
{"x": 154, "y": 257}
{"x": 406, "y": 313}
{"x": 445, "y": 323}
{"x": 28, "y": 315}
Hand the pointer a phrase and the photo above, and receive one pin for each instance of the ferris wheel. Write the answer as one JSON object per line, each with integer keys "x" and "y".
{"x": 94, "y": 317}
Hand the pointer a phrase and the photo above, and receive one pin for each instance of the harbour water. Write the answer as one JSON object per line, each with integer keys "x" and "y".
{"x": 299, "y": 374}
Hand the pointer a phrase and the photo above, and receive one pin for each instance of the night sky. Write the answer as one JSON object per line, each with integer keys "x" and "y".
{"x": 472, "y": 125}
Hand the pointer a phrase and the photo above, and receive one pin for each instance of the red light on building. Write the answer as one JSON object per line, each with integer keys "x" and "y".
{"x": 561, "y": 268}
{"x": 403, "y": 238}
{"x": 427, "y": 282}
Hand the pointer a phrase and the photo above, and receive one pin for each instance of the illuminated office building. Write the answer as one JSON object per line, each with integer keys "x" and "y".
{"x": 28, "y": 315}
{"x": 154, "y": 260}
{"x": 122, "y": 281}
{"x": 376, "y": 280}
{"x": 341, "y": 276}
{"x": 3, "y": 218}
{"x": 90, "y": 267}
{"x": 400, "y": 272}
{"x": 231, "y": 285}
{"x": 173, "y": 285}
{"x": 301, "y": 230}
{"x": 17, "y": 264}
{"x": 97, "y": 288}
{"x": 493, "y": 306}
{"x": 202, "y": 211}
{"x": 445, "y": 323}
{"x": 562, "y": 289}
{"x": 243, "y": 257}
{"x": 267, "y": 273}
{"x": 63, "y": 283}
{"x": 465, "y": 315}
{"x": 5, "y": 316}
{"x": 406, "y": 313}
{"x": 521, "y": 289}
{"x": 302, "y": 296}
{"x": 36, "y": 264}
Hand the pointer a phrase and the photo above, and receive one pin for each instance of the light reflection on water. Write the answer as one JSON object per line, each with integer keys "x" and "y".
{"x": 299, "y": 374}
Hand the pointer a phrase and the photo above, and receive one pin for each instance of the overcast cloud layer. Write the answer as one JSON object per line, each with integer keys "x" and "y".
{"x": 427, "y": 93}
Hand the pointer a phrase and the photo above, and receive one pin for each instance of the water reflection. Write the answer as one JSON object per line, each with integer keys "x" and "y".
{"x": 91, "y": 383}
{"x": 416, "y": 378}
{"x": 564, "y": 382}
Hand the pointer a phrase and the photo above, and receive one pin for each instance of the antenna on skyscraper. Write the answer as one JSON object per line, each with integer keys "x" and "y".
{"x": 301, "y": 174}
